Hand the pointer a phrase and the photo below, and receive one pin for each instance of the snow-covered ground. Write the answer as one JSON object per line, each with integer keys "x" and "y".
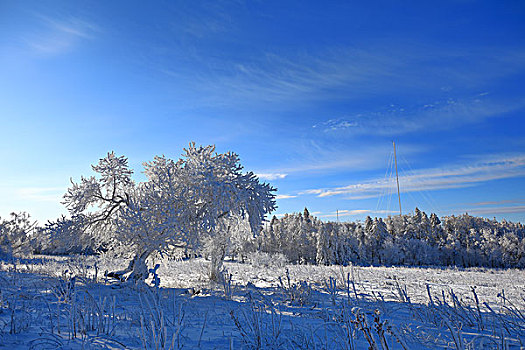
{"x": 66, "y": 302}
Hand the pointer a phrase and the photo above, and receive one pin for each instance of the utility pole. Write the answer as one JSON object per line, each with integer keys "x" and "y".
{"x": 397, "y": 179}
{"x": 337, "y": 214}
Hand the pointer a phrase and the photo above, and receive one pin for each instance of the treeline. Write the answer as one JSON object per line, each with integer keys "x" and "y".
{"x": 20, "y": 235}
{"x": 414, "y": 239}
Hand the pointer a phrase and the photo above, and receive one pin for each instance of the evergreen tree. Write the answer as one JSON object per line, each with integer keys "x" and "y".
{"x": 306, "y": 214}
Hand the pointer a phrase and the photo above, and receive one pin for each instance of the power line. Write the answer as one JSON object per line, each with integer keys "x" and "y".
{"x": 423, "y": 193}
{"x": 385, "y": 188}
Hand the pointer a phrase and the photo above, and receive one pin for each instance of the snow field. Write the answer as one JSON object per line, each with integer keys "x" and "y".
{"x": 66, "y": 302}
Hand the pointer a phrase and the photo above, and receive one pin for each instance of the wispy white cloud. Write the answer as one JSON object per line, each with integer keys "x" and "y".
{"x": 354, "y": 212}
{"x": 493, "y": 168}
{"x": 330, "y": 162}
{"x": 435, "y": 115}
{"x": 501, "y": 202}
{"x": 280, "y": 77}
{"x": 314, "y": 157}
{"x": 271, "y": 176}
{"x": 491, "y": 208}
{"x": 277, "y": 77}
{"x": 57, "y": 36}
{"x": 496, "y": 210}
{"x": 41, "y": 194}
{"x": 336, "y": 125}
{"x": 284, "y": 196}
{"x": 202, "y": 20}
{"x": 42, "y": 203}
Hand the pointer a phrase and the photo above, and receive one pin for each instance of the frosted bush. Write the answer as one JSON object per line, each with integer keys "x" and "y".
{"x": 261, "y": 259}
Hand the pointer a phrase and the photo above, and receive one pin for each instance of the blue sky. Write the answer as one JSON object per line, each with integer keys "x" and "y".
{"x": 309, "y": 94}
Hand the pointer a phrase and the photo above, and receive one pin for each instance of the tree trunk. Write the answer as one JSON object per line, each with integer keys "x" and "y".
{"x": 136, "y": 270}
{"x": 216, "y": 263}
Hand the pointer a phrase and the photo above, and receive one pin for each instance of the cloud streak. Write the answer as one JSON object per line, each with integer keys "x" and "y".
{"x": 497, "y": 210}
{"x": 313, "y": 157}
{"x": 284, "y": 196}
{"x": 354, "y": 212}
{"x": 506, "y": 201}
{"x": 493, "y": 168}
{"x": 271, "y": 176}
{"x": 58, "y": 36}
{"x": 41, "y": 194}
{"x": 349, "y": 73}
{"x": 437, "y": 115}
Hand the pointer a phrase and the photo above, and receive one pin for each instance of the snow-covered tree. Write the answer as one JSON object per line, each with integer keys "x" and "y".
{"x": 181, "y": 203}
{"x": 15, "y": 233}
{"x": 65, "y": 236}
{"x": 413, "y": 239}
